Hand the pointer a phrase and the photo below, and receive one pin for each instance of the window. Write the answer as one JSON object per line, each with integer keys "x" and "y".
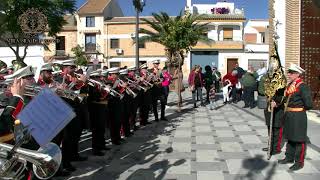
{"x": 263, "y": 37}
{"x": 257, "y": 63}
{"x": 114, "y": 64}
{"x": 114, "y": 43}
{"x": 142, "y": 44}
{"x": 227, "y": 34}
{"x": 90, "y": 42}
{"x": 90, "y": 21}
{"x": 61, "y": 43}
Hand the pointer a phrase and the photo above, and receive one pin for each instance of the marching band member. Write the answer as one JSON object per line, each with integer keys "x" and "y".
{"x": 115, "y": 108}
{"x": 72, "y": 131}
{"x": 157, "y": 93}
{"x": 127, "y": 104}
{"x": 298, "y": 100}
{"x": 8, "y": 120}
{"x": 136, "y": 101}
{"x": 146, "y": 99}
{"x": 97, "y": 111}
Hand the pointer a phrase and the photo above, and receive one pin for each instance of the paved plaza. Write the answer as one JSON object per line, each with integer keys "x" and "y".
{"x": 197, "y": 144}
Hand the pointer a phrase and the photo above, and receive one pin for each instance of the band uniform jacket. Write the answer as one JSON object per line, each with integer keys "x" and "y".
{"x": 278, "y": 112}
{"x": 295, "y": 125}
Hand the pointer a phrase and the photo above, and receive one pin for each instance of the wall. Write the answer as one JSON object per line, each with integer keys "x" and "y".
{"x": 34, "y": 55}
{"x": 280, "y": 15}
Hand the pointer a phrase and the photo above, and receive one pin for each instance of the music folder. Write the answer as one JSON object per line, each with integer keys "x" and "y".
{"x": 45, "y": 116}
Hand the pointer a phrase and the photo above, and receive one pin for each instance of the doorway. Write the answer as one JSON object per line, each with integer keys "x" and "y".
{"x": 231, "y": 63}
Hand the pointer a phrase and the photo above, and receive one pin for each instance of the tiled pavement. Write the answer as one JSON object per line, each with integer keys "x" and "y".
{"x": 202, "y": 144}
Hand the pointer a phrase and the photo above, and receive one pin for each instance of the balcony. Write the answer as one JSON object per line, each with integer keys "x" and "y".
{"x": 217, "y": 45}
{"x": 60, "y": 52}
{"x": 90, "y": 47}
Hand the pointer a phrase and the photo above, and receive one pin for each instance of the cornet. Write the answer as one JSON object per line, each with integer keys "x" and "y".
{"x": 105, "y": 87}
{"x": 146, "y": 83}
{"x": 46, "y": 161}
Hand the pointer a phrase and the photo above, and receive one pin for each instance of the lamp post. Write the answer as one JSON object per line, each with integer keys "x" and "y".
{"x": 138, "y": 5}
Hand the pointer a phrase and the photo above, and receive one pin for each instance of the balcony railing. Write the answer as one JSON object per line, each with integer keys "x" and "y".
{"x": 60, "y": 52}
{"x": 90, "y": 47}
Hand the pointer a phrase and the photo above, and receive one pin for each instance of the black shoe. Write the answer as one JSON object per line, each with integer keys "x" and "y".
{"x": 68, "y": 167}
{"x": 135, "y": 128}
{"x": 105, "y": 148}
{"x": 79, "y": 158}
{"x": 164, "y": 119}
{"x": 97, "y": 153}
{"x": 128, "y": 134}
{"x": 265, "y": 149}
{"x": 157, "y": 119}
{"x": 122, "y": 141}
{"x": 63, "y": 173}
{"x": 245, "y": 106}
{"x": 202, "y": 105}
{"x": 251, "y": 107}
{"x": 296, "y": 166}
{"x": 285, "y": 161}
{"x": 195, "y": 105}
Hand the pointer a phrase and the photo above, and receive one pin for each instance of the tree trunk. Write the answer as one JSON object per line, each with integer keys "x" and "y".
{"x": 181, "y": 59}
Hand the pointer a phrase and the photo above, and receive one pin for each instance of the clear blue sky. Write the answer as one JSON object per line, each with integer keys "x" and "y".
{"x": 254, "y": 9}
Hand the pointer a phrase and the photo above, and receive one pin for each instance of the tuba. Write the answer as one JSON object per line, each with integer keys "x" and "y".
{"x": 46, "y": 161}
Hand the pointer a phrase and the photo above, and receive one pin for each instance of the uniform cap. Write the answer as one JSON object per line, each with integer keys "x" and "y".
{"x": 296, "y": 68}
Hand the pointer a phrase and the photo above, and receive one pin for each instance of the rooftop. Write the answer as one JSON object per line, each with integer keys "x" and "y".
{"x": 93, "y": 7}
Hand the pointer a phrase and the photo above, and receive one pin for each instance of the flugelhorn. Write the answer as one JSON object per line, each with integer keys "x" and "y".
{"x": 46, "y": 161}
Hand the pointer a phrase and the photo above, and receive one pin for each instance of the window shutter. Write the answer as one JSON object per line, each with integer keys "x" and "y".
{"x": 227, "y": 33}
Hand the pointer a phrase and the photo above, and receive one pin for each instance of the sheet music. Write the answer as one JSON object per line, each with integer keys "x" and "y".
{"x": 45, "y": 116}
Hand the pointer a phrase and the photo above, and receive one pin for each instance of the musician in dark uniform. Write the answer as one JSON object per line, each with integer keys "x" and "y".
{"x": 146, "y": 99}
{"x": 298, "y": 100}
{"x": 8, "y": 120}
{"x": 277, "y": 124}
{"x": 72, "y": 131}
{"x": 157, "y": 93}
{"x": 135, "y": 101}
{"x": 127, "y": 105}
{"x": 98, "y": 111}
{"x": 115, "y": 106}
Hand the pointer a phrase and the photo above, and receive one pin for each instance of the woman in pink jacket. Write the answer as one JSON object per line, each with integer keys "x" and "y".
{"x": 167, "y": 78}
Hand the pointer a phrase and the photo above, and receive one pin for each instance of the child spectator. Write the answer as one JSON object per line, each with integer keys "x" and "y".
{"x": 226, "y": 91}
{"x": 212, "y": 96}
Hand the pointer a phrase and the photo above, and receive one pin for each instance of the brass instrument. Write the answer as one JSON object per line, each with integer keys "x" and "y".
{"x": 46, "y": 161}
{"x": 146, "y": 83}
{"x": 105, "y": 87}
{"x": 128, "y": 90}
{"x": 130, "y": 82}
{"x": 274, "y": 81}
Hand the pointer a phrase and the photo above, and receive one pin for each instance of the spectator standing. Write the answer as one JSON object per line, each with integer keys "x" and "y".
{"x": 216, "y": 75}
{"x": 212, "y": 96}
{"x": 208, "y": 80}
{"x": 196, "y": 83}
{"x": 176, "y": 76}
{"x": 233, "y": 78}
{"x": 248, "y": 82}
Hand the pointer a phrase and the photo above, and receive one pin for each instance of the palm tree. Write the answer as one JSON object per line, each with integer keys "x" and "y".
{"x": 177, "y": 34}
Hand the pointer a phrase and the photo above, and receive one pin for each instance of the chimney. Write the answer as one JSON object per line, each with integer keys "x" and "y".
{"x": 189, "y": 4}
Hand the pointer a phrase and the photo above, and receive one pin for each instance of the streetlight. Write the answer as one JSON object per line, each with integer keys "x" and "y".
{"x": 138, "y": 5}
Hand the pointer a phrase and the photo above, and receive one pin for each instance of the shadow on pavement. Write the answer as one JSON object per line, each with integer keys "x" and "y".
{"x": 134, "y": 156}
{"x": 254, "y": 166}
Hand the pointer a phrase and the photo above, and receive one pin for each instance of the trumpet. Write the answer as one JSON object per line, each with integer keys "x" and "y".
{"x": 46, "y": 161}
{"x": 128, "y": 90}
{"x": 105, "y": 87}
{"x": 136, "y": 85}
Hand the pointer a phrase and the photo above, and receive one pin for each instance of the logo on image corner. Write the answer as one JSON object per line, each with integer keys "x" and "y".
{"x": 33, "y": 22}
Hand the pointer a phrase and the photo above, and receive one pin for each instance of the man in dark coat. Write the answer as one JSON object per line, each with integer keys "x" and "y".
{"x": 298, "y": 100}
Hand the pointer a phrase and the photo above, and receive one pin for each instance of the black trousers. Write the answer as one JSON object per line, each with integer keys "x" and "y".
{"x": 125, "y": 121}
{"x": 98, "y": 122}
{"x": 248, "y": 96}
{"x": 145, "y": 107}
{"x": 161, "y": 95}
{"x": 296, "y": 151}
{"x": 276, "y": 140}
{"x": 115, "y": 110}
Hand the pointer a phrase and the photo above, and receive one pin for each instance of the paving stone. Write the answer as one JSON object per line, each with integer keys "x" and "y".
{"x": 242, "y": 128}
{"x": 206, "y": 156}
{"x": 278, "y": 175}
{"x": 224, "y": 133}
{"x": 209, "y": 175}
{"x": 227, "y": 139}
{"x": 250, "y": 139}
{"x": 186, "y": 124}
{"x": 179, "y": 139}
{"x": 178, "y": 155}
{"x": 257, "y": 123}
{"x": 181, "y": 147}
{"x": 203, "y": 128}
{"x": 244, "y": 133}
{"x": 184, "y": 168}
{"x": 312, "y": 154}
{"x": 205, "y": 147}
{"x": 316, "y": 164}
{"x": 204, "y": 140}
{"x": 315, "y": 176}
{"x": 180, "y": 177}
{"x": 220, "y": 124}
{"x": 307, "y": 169}
{"x": 183, "y": 134}
{"x": 202, "y": 120}
{"x": 209, "y": 166}
{"x": 222, "y": 128}
{"x": 231, "y": 147}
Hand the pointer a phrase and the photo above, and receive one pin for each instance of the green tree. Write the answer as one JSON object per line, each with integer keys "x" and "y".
{"x": 81, "y": 59}
{"x": 10, "y": 10}
{"x": 177, "y": 34}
